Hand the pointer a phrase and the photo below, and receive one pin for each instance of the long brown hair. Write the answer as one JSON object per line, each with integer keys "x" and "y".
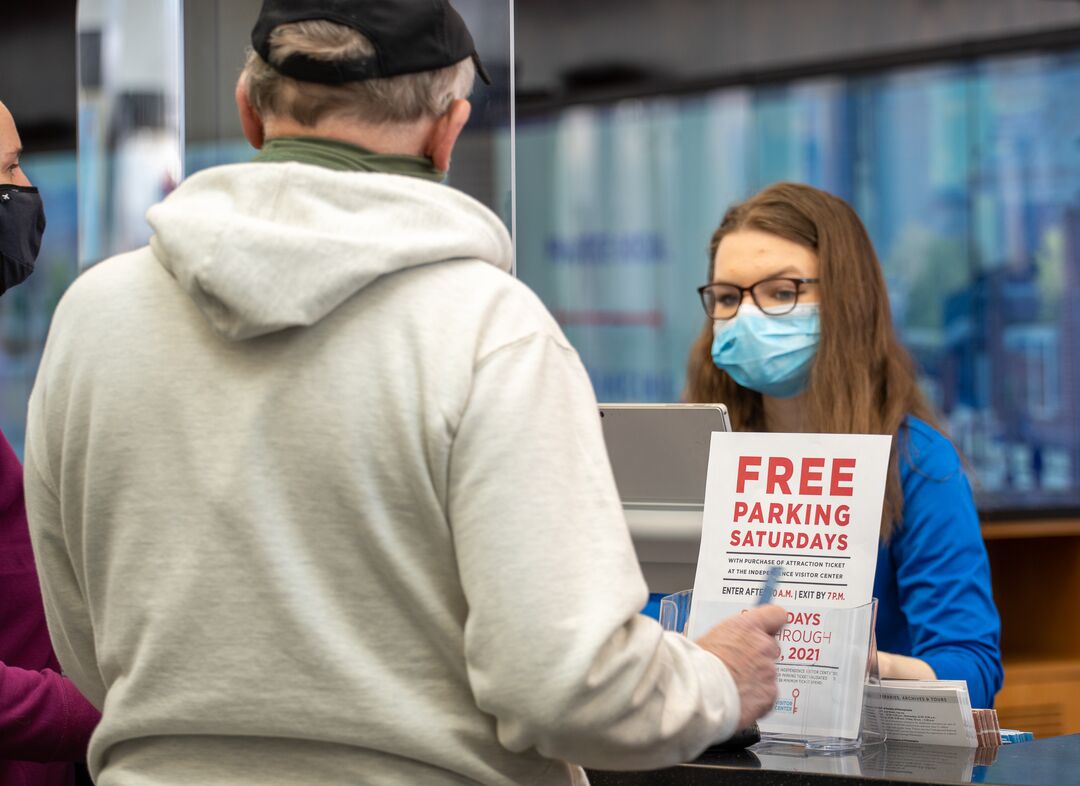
{"x": 862, "y": 380}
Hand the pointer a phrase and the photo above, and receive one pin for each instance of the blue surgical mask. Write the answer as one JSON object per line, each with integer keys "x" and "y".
{"x": 771, "y": 355}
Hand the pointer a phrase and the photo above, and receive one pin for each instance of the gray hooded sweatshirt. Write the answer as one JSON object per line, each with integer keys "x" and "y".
{"x": 319, "y": 495}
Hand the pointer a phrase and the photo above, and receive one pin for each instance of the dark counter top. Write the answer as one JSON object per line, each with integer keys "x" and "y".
{"x": 1053, "y": 762}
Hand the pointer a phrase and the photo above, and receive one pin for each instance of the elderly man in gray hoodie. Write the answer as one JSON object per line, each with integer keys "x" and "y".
{"x": 319, "y": 492}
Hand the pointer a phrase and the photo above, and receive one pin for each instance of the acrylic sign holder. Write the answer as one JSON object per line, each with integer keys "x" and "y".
{"x": 832, "y": 709}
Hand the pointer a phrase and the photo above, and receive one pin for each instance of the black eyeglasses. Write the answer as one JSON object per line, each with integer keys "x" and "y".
{"x": 774, "y": 296}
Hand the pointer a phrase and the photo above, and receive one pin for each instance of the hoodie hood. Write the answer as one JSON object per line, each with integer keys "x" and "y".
{"x": 265, "y": 247}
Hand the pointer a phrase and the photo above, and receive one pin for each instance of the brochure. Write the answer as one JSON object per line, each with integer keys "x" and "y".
{"x": 929, "y": 712}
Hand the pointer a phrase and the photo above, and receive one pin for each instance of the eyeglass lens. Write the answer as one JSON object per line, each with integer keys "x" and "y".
{"x": 775, "y": 297}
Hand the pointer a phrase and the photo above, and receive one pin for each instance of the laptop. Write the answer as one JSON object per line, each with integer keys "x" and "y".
{"x": 659, "y": 453}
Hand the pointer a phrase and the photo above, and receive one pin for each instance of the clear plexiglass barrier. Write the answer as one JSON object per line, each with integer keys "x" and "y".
{"x": 156, "y": 103}
{"x": 131, "y": 122}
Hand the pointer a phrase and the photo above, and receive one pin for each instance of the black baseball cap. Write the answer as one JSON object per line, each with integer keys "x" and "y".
{"x": 409, "y": 36}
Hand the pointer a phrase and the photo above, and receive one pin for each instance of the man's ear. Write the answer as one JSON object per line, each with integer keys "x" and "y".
{"x": 445, "y": 133}
{"x": 250, "y": 121}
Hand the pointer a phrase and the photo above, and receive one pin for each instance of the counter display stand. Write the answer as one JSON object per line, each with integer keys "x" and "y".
{"x": 833, "y": 698}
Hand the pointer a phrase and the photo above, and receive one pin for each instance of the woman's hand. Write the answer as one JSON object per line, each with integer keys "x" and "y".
{"x": 902, "y": 667}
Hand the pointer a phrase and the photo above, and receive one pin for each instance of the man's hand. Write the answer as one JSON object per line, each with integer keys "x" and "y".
{"x": 746, "y": 645}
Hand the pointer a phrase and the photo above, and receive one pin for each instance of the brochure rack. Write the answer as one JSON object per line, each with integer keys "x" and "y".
{"x": 818, "y": 708}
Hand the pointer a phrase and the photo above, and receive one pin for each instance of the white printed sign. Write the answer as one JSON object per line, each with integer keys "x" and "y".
{"x": 812, "y": 503}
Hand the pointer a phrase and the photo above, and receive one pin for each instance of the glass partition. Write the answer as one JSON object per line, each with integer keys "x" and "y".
{"x": 130, "y": 119}
{"x": 219, "y": 32}
{"x": 156, "y": 103}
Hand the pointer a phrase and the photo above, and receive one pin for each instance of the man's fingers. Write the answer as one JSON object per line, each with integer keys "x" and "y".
{"x": 769, "y": 618}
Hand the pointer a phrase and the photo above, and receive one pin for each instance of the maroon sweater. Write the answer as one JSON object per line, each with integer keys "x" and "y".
{"x": 43, "y": 718}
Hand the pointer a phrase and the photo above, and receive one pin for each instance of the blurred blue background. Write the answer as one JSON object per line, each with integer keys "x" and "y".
{"x": 967, "y": 176}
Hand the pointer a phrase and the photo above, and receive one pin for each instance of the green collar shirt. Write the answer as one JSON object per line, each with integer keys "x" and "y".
{"x": 344, "y": 157}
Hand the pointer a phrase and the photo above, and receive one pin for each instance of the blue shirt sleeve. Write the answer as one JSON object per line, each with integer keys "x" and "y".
{"x": 941, "y": 568}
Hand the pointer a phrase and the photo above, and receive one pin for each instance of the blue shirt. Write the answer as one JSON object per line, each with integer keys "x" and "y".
{"x": 933, "y": 576}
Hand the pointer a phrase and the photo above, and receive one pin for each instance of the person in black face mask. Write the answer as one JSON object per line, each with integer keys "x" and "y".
{"x": 45, "y": 724}
{"x": 22, "y": 216}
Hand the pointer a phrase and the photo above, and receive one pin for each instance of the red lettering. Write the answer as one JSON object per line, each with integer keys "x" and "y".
{"x": 757, "y": 516}
{"x": 811, "y": 472}
{"x": 735, "y": 538}
{"x": 839, "y": 477}
{"x": 746, "y": 472}
{"x": 780, "y": 472}
{"x": 803, "y": 618}
{"x": 776, "y": 512}
{"x": 841, "y": 543}
{"x": 740, "y": 509}
{"x": 789, "y": 539}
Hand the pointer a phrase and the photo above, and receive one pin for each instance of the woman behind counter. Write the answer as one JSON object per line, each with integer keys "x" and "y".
{"x": 800, "y": 339}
